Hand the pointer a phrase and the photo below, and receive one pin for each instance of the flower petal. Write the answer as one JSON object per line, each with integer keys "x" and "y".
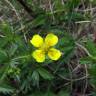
{"x": 51, "y": 39}
{"x": 39, "y": 55}
{"x": 36, "y": 40}
{"x": 54, "y": 54}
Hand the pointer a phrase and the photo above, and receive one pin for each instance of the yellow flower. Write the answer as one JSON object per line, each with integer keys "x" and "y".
{"x": 45, "y": 47}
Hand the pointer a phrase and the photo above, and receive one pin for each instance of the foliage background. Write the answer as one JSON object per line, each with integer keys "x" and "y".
{"x": 73, "y": 21}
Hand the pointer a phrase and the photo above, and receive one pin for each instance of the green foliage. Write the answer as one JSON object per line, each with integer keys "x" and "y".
{"x": 20, "y": 74}
{"x": 90, "y": 60}
{"x": 45, "y": 74}
{"x": 6, "y": 89}
{"x": 3, "y": 56}
{"x": 35, "y": 78}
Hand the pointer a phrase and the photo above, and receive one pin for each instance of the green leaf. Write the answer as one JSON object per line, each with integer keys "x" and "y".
{"x": 73, "y": 17}
{"x": 6, "y": 30}
{"x": 6, "y": 89}
{"x": 66, "y": 43}
{"x": 45, "y": 74}
{"x": 86, "y": 60}
{"x": 35, "y": 78}
{"x": 91, "y": 47}
{"x": 92, "y": 70}
{"x": 58, "y": 5}
{"x": 12, "y": 49}
{"x": 3, "y": 56}
{"x": 71, "y": 4}
{"x": 93, "y": 81}
{"x": 38, "y": 21}
{"x": 3, "y": 42}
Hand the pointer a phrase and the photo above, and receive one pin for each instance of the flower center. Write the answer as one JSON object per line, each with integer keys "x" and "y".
{"x": 45, "y": 48}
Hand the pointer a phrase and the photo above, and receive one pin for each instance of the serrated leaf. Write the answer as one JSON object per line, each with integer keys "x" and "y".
{"x": 6, "y": 89}
{"x": 45, "y": 74}
{"x": 35, "y": 78}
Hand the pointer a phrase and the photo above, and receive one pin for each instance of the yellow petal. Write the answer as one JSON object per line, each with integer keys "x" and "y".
{"x": 36, "y": 40}
{"x": 39, "y": 55}
{"x": 51, "y": 40}
{"x": 54, "y": 54}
